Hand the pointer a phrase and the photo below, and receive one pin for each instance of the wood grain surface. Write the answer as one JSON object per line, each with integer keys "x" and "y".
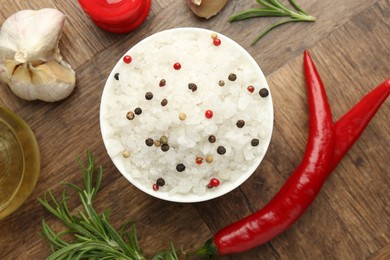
{"x": 350, "y": 219}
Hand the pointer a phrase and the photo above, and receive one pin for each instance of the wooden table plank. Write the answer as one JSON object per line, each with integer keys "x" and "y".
{"x": 349, "y": 219}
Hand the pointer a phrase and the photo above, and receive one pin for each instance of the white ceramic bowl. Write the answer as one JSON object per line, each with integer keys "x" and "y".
{"x": 203, "y": 62}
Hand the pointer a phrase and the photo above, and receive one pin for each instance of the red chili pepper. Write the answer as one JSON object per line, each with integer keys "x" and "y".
{"x": 304, "y": 183}
{"x": 350, "y": 126}
{"x": 320, "y": 158}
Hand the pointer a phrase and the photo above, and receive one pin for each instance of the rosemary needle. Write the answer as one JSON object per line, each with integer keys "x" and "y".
{"x": 89, "y": 235}
{"x": 273, "y": 8}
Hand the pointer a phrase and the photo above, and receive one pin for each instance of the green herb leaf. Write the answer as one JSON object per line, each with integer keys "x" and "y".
{"x": 273, "y": 8}
{"x": 88, "y": 234}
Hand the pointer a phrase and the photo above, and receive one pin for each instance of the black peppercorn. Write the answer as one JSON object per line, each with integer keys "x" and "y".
{"x": 164, "y": 147}
{"x": 240, "y": 123}
{"x": 116, "y": 76}
{"x": 149, "y": 142}
{"x": 164, "y": 102}
{"x": 193, "y": 87}
{"x": 255, "y": 142}
{"x": 130, "y": 115}
{"x": 232, "y": 77}
{"x": 149, "y": 95}
{"x": 221, "y": 150}
{"x": 263, "y": 92}
{"x": 221, "y": 83}
{"x": 212, "y": 139}
{"x": 162, "y": 83}
{"x": 180, "y": 167}
{"x": 160, "y": 182}
{"x": 138, "y": 111}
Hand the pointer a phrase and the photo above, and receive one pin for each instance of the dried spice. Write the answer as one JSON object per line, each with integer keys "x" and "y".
{"x": 164, "y": 102}
{"x": 240, "y": 123}
{"x": 180, "y": 167}
{"x": 130, "y": 115}
{"x": 255, "y": 142}
{"x": 221, "y": 83}
{"x": 212, "y": 139}
{"x": 165, "y": 147}
{"x": 162, "y": 83}
{"x": 138, "y": 111}
{"x": 148, "y": 95}
{"x": 192, "y": 86}
{"x": 160, "y": 182}
{"x": 177, "y": 66}
{"x": 126, "y": 154}
{"x": 263, "y": 92}
{"x": 232, "y": 77}
{"x": 209, "y": 158}
{"x": 127, "y": 59}
{"x": 116, "y": 76}
{"x": 221, "y": 150}
{"x": 164, "y": 139}
{"x": 182, "y": 116}
{"x": 149, "y": 142}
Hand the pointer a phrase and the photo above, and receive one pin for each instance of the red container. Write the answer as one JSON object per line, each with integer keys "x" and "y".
{"x": 117, "y": 16}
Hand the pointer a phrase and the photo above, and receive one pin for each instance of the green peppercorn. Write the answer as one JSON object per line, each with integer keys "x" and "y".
{"x": 255, "y": 142}
{"x": 162, "y": 83}
{"x": 180, "y": 167}
{"x": 212, "y": 139}
{"x": 149, "y": 95}
{"x": 193, "y": 87}
{"x": 160, "y": 182}
{"x": 149, "y": 142}
{"x": 221, "y": 83}
{"x": 116, "y": 76}
{"x": 138, "y": 111}
{"x": 130, "y": 115}
{"x": 263, "y": 92}
{"x": 164, "y": 102}
{"x": 165, "y": 147}
{"x": 221, "y": 150}
{"x": 164, "y": 139}
{"x": 232, "y": 77}
{"x": 240, "y": 123}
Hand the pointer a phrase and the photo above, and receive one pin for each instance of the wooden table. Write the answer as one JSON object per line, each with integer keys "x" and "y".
{"x": 350, "y": 219}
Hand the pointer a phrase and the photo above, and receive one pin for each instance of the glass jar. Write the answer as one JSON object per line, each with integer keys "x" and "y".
{"x": 19, "y": 162}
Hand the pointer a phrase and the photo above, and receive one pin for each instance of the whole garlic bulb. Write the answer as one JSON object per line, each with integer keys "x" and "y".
{"x": 30, "y": 60}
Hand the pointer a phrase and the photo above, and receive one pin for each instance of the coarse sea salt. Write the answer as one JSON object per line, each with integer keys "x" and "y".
{"x": 205, "y": 65}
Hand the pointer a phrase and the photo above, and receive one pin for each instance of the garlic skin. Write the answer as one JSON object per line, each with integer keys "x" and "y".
{"x": 30, "y": 60}
{"x": 206, "y": 8}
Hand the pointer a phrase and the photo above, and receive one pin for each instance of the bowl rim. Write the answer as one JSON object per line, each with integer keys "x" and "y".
{"x": 179, "y": 197}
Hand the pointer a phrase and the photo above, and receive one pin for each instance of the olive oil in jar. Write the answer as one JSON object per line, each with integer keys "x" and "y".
{"x": 19, "y": 162}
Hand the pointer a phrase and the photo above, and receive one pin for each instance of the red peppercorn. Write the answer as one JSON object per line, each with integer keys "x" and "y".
{"x": 199, "y": 160}
{"x": 251, "y": 89}
{"x": 209, "y": 186}
{"x": 177, "y": 66}
{"x": 214, "y": 182}
{"x": 127, "y": 59}
{"x": 217, "y": 42}
{"x": 208, "y": 114}
{"x": 155, "y": 187}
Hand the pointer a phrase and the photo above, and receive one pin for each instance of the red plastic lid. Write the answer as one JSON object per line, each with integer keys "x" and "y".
{"x": 118, "y": 16}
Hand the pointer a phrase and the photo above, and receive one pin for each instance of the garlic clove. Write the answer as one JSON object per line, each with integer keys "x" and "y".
{"x": 206, "y": 8}
{"x": 7, "y": 67}
{"x": 50, "y": 81}
{"x": 32, "y": 35}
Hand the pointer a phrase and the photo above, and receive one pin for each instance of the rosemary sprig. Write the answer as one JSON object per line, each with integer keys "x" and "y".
{"x": 273, "y": 8}
{"x": 92, "y": 235}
